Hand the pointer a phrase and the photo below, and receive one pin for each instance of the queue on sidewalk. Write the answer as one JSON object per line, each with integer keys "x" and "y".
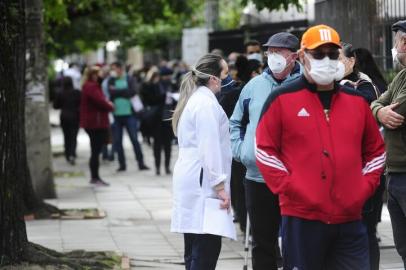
{"x": 303, "y": 150}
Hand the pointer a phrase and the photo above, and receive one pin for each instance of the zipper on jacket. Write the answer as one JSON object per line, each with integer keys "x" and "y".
{"x": 324, "y": 151}
{"x": 327, "y": 119}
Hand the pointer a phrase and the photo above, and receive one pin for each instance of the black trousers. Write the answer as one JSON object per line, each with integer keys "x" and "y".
{"x": 70, "y": 131}
{"x": 238, "y": 193}
{"x": 201, "y": 251}
{"x": 264, "y": 213}
{"x": 314, "y": 245}
{"x": 98, "y": 138}
{"x": 163, "y": 136}
{"x": 397, "y": 211}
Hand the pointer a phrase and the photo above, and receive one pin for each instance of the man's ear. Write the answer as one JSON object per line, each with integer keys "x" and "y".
{"x": 300, "y": 56}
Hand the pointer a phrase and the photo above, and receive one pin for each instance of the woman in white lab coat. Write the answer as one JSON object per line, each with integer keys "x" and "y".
{"x": 202, "y": 172}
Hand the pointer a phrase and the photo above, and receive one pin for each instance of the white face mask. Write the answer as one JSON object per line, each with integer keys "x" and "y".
{"x": 255, "y": 56}
{"x": 340, "y": 73}
{"x": 276, "y": 62}
{"x": 113, "y": 74}
{"x": 323, "y": 71}
{"x": 395, "y": 57}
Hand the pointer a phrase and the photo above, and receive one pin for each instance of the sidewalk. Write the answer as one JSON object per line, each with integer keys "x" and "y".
{"x": 138, "y": 207}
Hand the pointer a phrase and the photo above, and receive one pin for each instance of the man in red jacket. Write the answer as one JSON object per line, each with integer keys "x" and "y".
{"x": 319, "y": 148}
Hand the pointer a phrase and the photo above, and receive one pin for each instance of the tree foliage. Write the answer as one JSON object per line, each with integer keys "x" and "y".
{"x": 272, "y": 4}
{"x": 79, "y": 25}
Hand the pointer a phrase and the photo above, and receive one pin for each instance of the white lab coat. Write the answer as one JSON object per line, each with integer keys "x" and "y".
{"x": 204, "y": 143}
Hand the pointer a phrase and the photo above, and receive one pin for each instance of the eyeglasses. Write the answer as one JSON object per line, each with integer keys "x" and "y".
{"x": 333, "y": 55}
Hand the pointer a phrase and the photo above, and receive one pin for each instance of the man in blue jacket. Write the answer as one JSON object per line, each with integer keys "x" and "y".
{"x": 262, "y": 204}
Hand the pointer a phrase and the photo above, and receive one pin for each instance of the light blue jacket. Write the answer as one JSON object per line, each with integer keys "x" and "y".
{"x": 244, "y": 121}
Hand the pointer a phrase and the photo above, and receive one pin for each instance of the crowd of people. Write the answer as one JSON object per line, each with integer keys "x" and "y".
{"x": 296, "y": 138}
{"x": 291, "y": 133}
{"x": 108, "y": 99}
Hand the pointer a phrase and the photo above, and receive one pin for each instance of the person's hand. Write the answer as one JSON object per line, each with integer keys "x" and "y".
{"x": 390, "y": 118}
{"x": 222, "y": 195}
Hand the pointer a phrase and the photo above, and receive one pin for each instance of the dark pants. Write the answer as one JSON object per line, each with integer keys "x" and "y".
{"x": 313, "y": 245}
{"x": 264, "y": 213}
{"x": 371, "y": 216}
{"x": 70, "y": 131}
{"x": 97, "y": 140}
{"x": 108, "y": 154}
{"x": 131, "y": 124}
{"x": 201, "y": 251}
{"x": 397, "y": 211}
{"x": 238, "y": 193}
{"x": 163, "y": 136}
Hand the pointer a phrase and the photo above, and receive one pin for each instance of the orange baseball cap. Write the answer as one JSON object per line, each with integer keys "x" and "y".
{"x": 319, "y": 35}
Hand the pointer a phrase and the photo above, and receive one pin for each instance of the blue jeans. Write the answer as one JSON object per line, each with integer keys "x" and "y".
{"x": 131, "y": 124}
{"x": 313, "y": 245}
{"x": 201, "y": 251}
{"x": 397, "y": 211}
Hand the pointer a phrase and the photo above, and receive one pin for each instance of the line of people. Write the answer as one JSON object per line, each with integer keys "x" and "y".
{"x": 301, "y": 147}
{"x": 112, "y": 100}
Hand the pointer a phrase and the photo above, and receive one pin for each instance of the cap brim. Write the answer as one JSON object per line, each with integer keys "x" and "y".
{"x": 278, "y": 46}
{"x": 318, "y": 44}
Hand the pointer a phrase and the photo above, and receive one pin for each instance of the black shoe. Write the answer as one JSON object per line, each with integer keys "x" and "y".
{"x": 158, "y": 172}
{"x": 71, "y": 160}
{"x": 168, "y": 171}
{"x": 121, "y": 169}
{"x": 144, "y": 167}
{"x": 99, "y": 182}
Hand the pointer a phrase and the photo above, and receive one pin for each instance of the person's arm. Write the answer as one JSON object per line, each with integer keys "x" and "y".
{"x": 238, "y": 123}
{"x": 373, "y": 152}
{"x": 121, "y": 94}
{"x": 208, "y": 137}
{"x": 368, "y": 90}
{"x": 268, "y": 145}
{"x": 383, "y": 110}
{"x": 57, "y": 104}
{"x": 96, "y": 97}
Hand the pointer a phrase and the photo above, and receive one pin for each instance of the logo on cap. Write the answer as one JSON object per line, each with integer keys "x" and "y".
{"x": 325, "y": 34}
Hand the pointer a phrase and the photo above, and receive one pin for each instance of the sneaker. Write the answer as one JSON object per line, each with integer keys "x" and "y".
{"x": 144, "y": 167}
{"x": 99, "y": 182}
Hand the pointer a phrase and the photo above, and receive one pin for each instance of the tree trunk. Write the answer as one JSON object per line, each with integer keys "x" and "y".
{"x": 13, "y": 236}
{"x": 37, "y": 105}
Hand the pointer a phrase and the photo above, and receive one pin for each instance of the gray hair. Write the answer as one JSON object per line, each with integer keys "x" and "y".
{"x": 400, "y": 35}
{"x": 207, "y": 66}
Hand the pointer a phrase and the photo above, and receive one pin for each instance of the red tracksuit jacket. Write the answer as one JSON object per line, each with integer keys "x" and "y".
{"x": 322, "y": 169}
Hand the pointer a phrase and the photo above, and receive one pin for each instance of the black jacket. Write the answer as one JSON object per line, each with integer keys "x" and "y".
{"x": 68, "y": 100}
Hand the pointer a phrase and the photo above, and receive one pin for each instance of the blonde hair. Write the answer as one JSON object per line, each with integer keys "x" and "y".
{"x": 151, "y": 74}
{"x": 89, "y": 72}
{"x": 209, "y": 64}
